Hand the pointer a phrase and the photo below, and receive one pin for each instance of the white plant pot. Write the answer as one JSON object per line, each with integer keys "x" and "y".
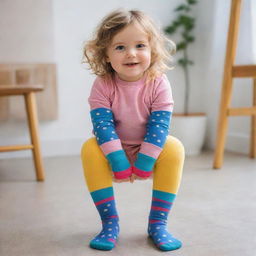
{"x": 190, "y": 130}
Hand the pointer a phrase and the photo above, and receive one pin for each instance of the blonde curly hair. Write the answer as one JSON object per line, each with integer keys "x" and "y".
{"x": 162, "y": 48}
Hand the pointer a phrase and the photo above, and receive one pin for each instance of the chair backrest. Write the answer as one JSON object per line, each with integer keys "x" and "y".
{"x": 21, "y": 75}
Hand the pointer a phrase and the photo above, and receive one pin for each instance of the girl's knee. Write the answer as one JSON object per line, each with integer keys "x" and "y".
{"x": 89, "y": 147}
{"x": 174, "y": 147}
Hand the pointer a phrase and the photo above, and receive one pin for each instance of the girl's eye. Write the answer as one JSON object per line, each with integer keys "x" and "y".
{"x": 140, "y": 45}
{"x": 120, "y": 47}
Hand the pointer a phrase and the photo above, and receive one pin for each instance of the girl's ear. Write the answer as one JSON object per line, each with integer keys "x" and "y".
{"x": 107, "y": 59}
{"x": 106, "y": 56}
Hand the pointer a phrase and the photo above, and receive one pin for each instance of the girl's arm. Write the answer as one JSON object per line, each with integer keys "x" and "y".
{"x": 104, "y": 130}
{"x": 157, "y": 129}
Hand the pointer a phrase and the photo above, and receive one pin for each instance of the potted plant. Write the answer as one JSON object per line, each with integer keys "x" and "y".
{"x": 188, "y": 127}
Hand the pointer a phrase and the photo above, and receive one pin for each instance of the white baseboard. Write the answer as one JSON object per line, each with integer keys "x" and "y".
{"x": 239, "y": 143}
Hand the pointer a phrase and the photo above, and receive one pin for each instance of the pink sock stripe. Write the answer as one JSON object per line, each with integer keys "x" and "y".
{"x": 154, "y": 221}
{"x": 159, "y": 209}
{"x": 160, "y": 244}
{"x": 150, "y": 149}
{"x": 111, "y": 146}
{"x": 160, "y": 200}
{"x": 112, "y": 240}
{"x": 113, "y": 216}
{"x": 105, "y": 200}
{"x": 141, "y": 173}
{"x": 123, "y": 174}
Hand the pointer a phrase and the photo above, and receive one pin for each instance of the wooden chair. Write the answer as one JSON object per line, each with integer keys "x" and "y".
{"x": 28, "y": 91}
{"x": 232, "y": 71}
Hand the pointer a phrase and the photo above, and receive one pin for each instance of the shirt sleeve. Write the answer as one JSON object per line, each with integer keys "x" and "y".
{"x": 157, "y": 129}
{"x": 104, "y": 129}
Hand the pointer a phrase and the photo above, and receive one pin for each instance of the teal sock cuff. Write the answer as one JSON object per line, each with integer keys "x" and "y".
{"x": 145, "y": 162}
{"x": 101, "y": 194}
{"x": 118, "y": 160}
{"x": 164, "y": 195}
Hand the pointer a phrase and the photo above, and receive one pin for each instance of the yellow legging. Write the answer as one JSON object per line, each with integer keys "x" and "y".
{"x": 166, "y": 175}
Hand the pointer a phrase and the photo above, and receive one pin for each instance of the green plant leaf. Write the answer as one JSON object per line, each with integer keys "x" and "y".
{"x": 177, "y": 23}
{"x": 191, "y": 2}
{"x": 181, "y": 45}
{"x": 187, "y": 22}
{"x": 185, "y": 62}
{"x": 170, "y": 29}
{"x": 182, "y": 62}
{"x": 188, "y": 38}
{"x": 182, "y": 7}
{"x": 173, "y": 27}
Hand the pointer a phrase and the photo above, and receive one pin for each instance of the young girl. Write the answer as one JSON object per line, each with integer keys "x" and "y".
{"x": 131, "y": 107}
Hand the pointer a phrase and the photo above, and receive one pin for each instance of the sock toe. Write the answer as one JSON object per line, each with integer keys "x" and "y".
{"x": 102, "y": 245}
{"x": 162, "y": 238}
{"x": 170, "y": 246}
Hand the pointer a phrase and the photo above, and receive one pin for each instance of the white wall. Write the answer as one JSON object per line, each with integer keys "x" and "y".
{"x": 54, "y": 31}
{"x": 26, "y": 31}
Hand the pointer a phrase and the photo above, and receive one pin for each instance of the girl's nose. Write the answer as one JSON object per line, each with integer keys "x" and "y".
{"x": 131, "y": 52}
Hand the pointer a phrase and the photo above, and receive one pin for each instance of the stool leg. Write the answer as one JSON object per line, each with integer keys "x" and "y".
{"x": 31, "y": 108}
{"x": 223, "y": 121}
{"x": 227, "y": 82}
{"x": 253, "y": 124}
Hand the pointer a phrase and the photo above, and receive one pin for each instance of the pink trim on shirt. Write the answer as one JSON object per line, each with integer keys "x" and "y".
{"x": 123, "y": 174}
{"x": 150, "y": 149}
{"x": 111, "y": 146}
{"x": 141, "y": 173}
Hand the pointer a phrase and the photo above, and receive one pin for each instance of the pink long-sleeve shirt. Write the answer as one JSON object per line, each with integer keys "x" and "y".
{"x": 131, "y": 104}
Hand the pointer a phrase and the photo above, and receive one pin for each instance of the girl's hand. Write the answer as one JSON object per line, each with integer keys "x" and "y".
{"x": 121, "y": 180}
{"x": 135, "y": 177}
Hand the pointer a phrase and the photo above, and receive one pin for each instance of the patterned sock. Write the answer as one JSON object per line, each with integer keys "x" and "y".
{"x": 105, "y": 204}
{"x": 157, "y": 227}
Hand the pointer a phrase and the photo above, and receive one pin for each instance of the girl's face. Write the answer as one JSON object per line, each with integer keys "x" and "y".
{"x": 129, "y": 53}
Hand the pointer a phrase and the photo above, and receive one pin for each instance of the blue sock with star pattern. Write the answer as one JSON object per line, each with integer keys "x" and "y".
{"x": 157, "y": 227}
{"x": 105, "y": 204}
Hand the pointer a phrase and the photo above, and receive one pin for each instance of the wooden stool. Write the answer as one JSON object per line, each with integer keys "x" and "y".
{"x": 28, "y": 91}
{"x": 231, "y": 71}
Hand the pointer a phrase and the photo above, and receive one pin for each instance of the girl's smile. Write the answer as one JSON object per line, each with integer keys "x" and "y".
{"x": 129, "y": 53}
{"x": 132, "y": 64}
